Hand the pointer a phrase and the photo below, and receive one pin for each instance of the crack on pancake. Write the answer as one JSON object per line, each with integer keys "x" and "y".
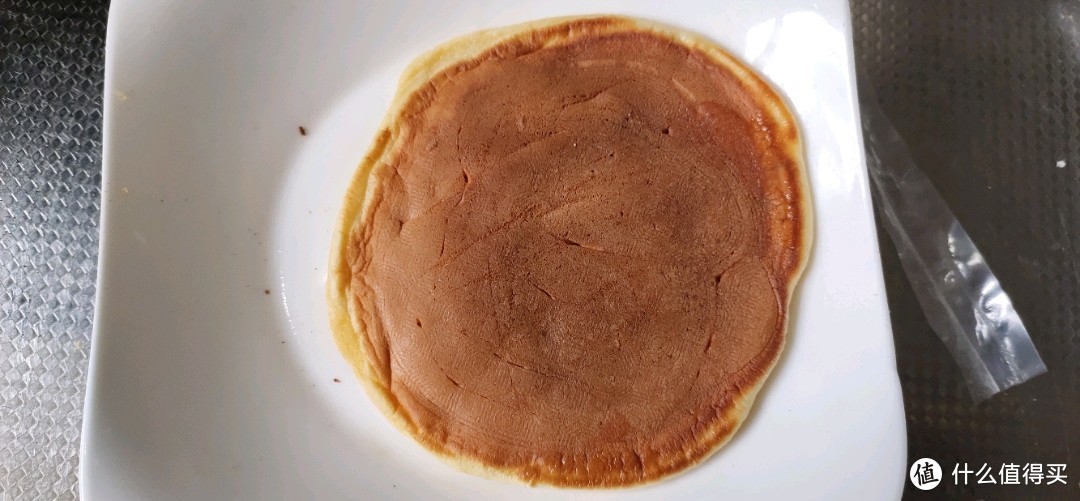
{"x": 452, "y": 380}
{"x": 443, "y": 262}
{"x": 685, "y": 92}
{"x": 467, "y": 390}
{"x": 526, "y": 368}
{"x": 458, "y": 143}
{"x": 640, "y": 461}
{"x": 465, "y": 187}
{"x": 574, "y": 243}
{"x": 582, "y": 99}
{"x": 720, "y": 276}
{"x": 539, "y": 288}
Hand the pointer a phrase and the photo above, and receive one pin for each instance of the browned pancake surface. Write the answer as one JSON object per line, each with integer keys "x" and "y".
{"x": 576, "y": 254}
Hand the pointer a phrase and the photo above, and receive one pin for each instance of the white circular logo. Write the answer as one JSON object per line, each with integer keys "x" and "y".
{"x": 925, "y": 474}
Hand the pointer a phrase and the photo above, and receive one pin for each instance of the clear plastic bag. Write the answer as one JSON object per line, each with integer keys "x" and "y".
{"x": 962, "y": 299}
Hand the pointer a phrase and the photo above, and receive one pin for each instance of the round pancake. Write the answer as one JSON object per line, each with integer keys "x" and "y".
{"x": 568, "y": 256}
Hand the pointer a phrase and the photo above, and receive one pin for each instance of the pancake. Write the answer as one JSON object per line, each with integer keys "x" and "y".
{"x": 568, "y": 257}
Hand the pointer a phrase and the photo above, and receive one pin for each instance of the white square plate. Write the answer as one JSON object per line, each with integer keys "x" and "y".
{"x": 213, "y": 369}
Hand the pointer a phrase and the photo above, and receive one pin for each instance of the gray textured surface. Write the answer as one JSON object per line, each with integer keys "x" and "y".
{"x": 986, "y": 92}
{"x": 987, "y": 95}
{"x": 50, "y": 168}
